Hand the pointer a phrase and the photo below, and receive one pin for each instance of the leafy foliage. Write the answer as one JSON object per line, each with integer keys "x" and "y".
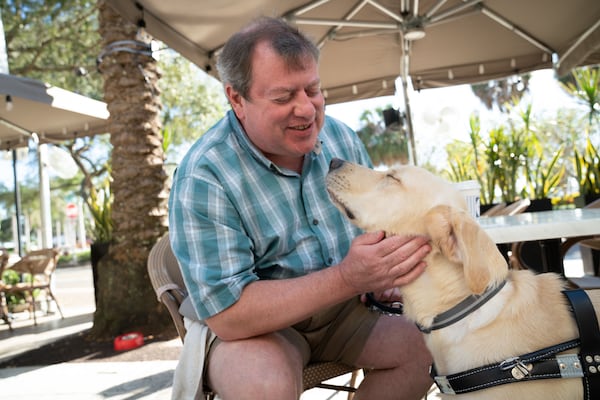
{"x": 386, "y": 146}
{"x": 192, "y": 101}
{"x": 502, "y": 92}
{"x": 100, "y": 206}
{"x": 586, "y": 88}
{"x": 55, "y": 41}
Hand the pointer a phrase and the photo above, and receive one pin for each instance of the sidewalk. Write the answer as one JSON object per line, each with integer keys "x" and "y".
{"x": 142, "y": 380}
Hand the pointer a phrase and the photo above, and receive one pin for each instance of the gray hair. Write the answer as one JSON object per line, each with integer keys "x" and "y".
{"x": 234, "y": 63}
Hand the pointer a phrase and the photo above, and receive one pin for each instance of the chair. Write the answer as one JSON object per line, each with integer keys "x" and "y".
{"x": 40, "y": 265}
{"x": 494, "y": 210}
{"x": 3, "y": 306}
{"x": 589, "y": 244}
{"x": 167, "y": 282}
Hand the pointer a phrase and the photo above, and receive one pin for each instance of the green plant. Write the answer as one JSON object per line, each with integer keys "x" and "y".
{"x": 586, "y": 89}
{"x": 506, "y": 155}
{"x": 100, "y": 205}
{"x": 544, "y": 179}
{"x": 386, "y": 146}
{"x": 587, "y": 168}
{"x": 10, "y": 277}
{"x": 473, "y": 161}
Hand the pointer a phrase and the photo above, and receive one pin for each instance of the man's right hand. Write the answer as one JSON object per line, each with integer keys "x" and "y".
{"x": 376, "y": 263}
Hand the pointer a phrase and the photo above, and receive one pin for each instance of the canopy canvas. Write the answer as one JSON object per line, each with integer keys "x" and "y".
{"x": 28, "y": 106}
{"x": 367, "y": 44}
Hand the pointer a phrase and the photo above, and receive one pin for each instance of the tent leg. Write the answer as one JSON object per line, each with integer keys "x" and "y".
{"x": 17, "y": 203}
{"x": 411, "y": 134}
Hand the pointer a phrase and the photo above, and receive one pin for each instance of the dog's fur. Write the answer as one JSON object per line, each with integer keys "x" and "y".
{"x": 528, "y": 314}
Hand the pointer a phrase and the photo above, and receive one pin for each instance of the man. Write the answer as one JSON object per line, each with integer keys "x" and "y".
{"x": 272, "y": 267}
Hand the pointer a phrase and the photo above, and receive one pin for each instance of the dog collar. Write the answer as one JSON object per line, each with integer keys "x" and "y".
{"x": 461, "y": 310}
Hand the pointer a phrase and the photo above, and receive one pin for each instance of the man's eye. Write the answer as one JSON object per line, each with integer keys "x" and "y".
{"x": 282, "y": 100}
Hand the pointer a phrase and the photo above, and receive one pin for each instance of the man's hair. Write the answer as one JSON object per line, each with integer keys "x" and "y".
{"x": 234, "y": 63}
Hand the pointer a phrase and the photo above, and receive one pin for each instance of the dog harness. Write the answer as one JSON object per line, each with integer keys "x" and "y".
{"x": 542, "y": 364}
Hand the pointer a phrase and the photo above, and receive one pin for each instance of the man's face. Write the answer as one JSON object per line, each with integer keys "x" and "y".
{"x": 285, "y": 109}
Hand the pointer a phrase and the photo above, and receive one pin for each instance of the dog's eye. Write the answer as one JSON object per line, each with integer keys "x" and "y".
{"x": 395, "y": 178}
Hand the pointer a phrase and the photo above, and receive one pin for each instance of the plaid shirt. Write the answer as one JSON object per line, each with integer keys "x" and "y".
{"x": 235, "y": 217}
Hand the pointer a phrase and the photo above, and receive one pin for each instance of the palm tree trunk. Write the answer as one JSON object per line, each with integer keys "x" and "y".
{"x": 126, "y": 300}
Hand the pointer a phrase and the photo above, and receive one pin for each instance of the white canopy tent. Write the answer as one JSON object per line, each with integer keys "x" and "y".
{"x": 34, "y": 111}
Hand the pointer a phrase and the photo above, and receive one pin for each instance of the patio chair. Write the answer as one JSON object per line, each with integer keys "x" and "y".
{"x": 167, "y": 282}
{"x": 3, "y": 306}
{"x": 40, "y": 265}
{"x": 589, "y": 245}
{"x": 494, "y": 210}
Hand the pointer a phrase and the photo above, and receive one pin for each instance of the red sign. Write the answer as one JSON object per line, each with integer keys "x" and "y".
{"x": 71, "y": 210}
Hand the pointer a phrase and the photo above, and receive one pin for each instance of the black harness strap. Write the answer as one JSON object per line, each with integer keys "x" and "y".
{"x": 542, "y": 364}
{"x": 589, "y": 335}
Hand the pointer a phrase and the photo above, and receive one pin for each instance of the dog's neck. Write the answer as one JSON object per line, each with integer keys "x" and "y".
{"x": 444, "y": 292}
{"x": 462, "y": 309}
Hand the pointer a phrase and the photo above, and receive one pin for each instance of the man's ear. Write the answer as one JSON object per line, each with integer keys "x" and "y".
{"x": 236, "y": 100}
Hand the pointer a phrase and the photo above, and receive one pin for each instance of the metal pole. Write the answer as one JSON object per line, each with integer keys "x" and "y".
{"x": 17, "y": 203}
{"x": 404, "y": 78}
{"x": 44, "y": 185}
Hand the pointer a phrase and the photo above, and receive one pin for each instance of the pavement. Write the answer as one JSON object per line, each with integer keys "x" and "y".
{"x": 143, "y": 380}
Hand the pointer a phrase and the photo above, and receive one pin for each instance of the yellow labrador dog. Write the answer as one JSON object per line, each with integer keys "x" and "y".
{"x": 474, "y": 311}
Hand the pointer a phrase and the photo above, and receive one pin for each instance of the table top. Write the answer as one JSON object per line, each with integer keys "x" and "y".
{"x": 542, "y": 225}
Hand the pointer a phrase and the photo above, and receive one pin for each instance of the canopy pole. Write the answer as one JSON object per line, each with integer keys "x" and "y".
{"x": 44, "y": 185}
{"x": 17, "y": 203}
{"x": 404, "y": 78}
{"x": 411, "y": 134}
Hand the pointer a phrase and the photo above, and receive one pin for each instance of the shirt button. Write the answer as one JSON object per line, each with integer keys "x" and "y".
{"x": 330, "y": 261}
{"x": 315, "y": 222}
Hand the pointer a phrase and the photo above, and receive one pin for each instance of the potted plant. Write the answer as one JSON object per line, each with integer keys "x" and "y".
{"x": 100, "y": 205}
{"x": 587, "y": 168}
{"x": 586, "y": 89}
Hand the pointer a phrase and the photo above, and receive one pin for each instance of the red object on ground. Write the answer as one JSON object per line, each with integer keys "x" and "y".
{"x": 128, "y": 341}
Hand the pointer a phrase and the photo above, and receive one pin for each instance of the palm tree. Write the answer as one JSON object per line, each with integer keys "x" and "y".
{"x": 126, "y": 299}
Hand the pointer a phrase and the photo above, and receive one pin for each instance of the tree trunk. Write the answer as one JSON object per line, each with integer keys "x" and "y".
{"x": 126, "y": 300}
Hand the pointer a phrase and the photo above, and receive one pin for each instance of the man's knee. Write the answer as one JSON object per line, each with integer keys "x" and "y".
{"x": 257, "y": 368}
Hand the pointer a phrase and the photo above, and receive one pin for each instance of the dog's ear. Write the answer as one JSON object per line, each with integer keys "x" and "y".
{"x": 461, "y": 239}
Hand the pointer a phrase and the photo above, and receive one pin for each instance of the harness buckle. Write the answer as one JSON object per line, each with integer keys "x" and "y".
{"x": 518, "y": 369}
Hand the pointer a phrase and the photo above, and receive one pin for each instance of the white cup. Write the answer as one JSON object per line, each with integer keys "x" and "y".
{"x": 470, "y": 189}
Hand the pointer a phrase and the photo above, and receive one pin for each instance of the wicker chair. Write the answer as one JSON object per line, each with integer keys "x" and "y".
{"x": 167, "y": 282}
{"x": 3, "y": 306}
{"x": 40, "y": 264}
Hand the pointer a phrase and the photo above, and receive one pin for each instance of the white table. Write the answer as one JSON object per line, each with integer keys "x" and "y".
{"x": 542, "y": 226}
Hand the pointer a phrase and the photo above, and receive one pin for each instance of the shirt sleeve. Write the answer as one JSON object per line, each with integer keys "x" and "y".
{"x": 208, "y": 239}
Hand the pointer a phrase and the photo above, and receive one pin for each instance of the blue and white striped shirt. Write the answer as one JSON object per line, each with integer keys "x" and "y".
{"x": 235, "y": 217}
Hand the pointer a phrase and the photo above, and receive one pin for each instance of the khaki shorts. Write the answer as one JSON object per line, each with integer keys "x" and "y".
{"x": 336, "y": 334}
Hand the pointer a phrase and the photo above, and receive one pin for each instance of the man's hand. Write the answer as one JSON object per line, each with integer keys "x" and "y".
{"x": 376, "y": 263}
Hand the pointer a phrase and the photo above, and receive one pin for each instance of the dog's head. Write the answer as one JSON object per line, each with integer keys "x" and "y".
{"x": 412, "y": 201}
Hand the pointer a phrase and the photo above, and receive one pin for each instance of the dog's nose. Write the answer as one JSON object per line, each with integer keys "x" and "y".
{"x": 335, "y": 163}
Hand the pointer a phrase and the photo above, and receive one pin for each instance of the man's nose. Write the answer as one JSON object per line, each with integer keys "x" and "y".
{"x": 304, "y": 106}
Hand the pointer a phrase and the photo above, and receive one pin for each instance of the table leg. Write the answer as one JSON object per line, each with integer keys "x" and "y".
{"x": 551, "y": 256}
